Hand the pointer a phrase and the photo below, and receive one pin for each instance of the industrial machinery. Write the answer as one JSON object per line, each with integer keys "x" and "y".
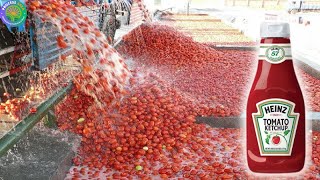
{"x": 295, "y": 6}
{"x": 36, "y": 48}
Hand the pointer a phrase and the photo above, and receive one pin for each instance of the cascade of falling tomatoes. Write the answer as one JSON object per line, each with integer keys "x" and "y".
{"x": 103, "y": 68}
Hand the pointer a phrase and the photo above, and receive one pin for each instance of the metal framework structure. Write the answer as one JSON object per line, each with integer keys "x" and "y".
{"x": 42, "y": 49}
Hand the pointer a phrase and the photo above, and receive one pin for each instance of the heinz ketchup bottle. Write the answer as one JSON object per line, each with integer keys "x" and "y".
{"x": 275, "y": 109}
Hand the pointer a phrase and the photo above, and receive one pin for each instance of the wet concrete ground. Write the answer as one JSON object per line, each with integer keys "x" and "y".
{"x": 41, "y": 155}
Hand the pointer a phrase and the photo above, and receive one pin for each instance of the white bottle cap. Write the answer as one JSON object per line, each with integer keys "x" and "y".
{"x": 274, "y": 29}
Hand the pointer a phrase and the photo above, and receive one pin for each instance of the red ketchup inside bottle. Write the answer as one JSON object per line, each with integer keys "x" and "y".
{"x": 275, "y": 108}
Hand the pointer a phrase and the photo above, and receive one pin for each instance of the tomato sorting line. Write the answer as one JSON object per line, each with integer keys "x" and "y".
{"x": 207, "y": 29}
{"x": 191, "y": 67}
{"x": 152, "y": 115}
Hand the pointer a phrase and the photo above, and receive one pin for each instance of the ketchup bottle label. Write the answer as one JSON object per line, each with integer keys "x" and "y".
{"x": 275, "y": 53}
{"x": 275, "y": 125}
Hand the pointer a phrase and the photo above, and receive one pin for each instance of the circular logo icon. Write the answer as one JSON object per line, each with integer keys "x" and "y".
{"x": 275, "y": 54}
{"x": 13, "y": 13}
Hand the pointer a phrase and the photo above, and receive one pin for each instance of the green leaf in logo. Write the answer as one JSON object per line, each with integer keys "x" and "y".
{"x": 268, "y": 138}
{"x": 286, "y": 132}
{"x": 266, "y": 132}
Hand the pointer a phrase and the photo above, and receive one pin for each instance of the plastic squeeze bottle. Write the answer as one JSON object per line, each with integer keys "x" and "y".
{"x": 275, "y": 108}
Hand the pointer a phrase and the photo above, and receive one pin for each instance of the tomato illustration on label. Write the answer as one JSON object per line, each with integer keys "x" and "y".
{"x": 276, "y": 139}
